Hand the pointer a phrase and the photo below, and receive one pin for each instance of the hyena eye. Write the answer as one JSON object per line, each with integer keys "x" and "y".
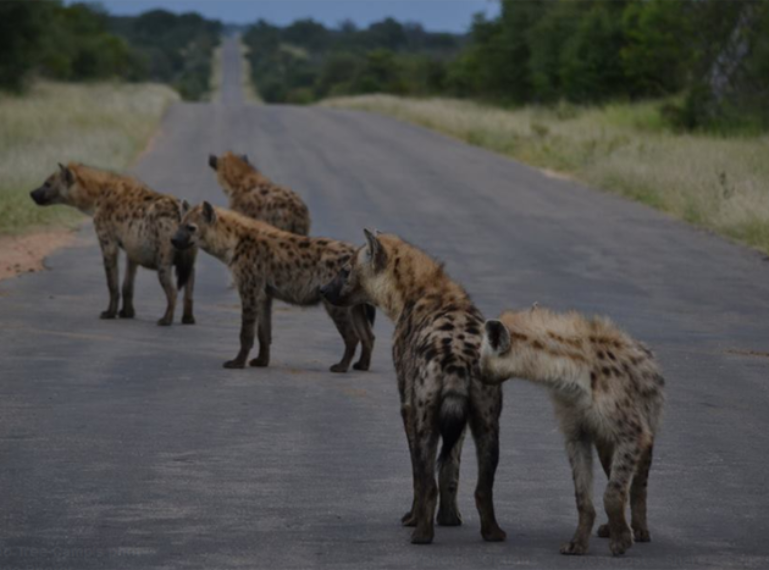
{"x": 191, "y": 228}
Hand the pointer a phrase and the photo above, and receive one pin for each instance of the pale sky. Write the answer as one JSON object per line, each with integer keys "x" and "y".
{"x": 436, "y": 15}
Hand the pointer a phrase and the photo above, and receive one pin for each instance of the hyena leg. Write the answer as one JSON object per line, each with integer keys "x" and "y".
{"x": 362, "y": 327}
{"x": 264, "y": 328}
{"x": 605, "y": 454}
{"x": 128, "y": 312}
{"x": 109, "y": 251}
{"x": 615, "y": 498}
{"x": 486, "y": 405}
{"x": 638, "y": 497}
{"x": 250, "y": 300}
{"x": 407, "y": 412}
{"x": 342, "y": 317}
{"x": 189, "y": 289}
{"x": 448, "y": 484}
{"x": 165, "y": 276}
{"x": 580, "y": 451}
{"x": 426, "y": 490}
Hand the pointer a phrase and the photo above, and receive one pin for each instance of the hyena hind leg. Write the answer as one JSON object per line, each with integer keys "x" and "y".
{"x": 623, "y": 466}
{"x": 342, "y": 317}
{"x": 638, "y": 497}
{"x": 448, "y": 485}
{"x": 128, "y": 312}
{"x": 605, "y": 454}
{"x": 579, "y": 448}
{"x": 165, "y": 276}
{"x": 364, "y": 332}
{"x": 264, "y": 332}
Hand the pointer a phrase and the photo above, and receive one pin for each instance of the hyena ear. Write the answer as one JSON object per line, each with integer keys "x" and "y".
{"x": 498, "y": 336}
{"x": 245, "y": 158}
{"x": 212, "y": 161}
{"x": 376, "y": 252}
{"x": 69, "y": 178}
{"x": 209, "y": 214}
{"x": 184, "y": 207}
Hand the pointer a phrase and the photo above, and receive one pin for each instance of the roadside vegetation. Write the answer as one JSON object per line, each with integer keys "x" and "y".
{"x": 720, "y": 183}
{"x": 105, "y": 124}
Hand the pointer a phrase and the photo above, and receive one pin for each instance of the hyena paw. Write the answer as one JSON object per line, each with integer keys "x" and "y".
{"x": 573, "y": 548}
{"x": 338, "y": 368}
{"x": 603, "y": 531}
{"x": 494, "y": 534}
{"x": 234, "y": 364}
{"x": 127, "y": 313}
{"x": 619, "y": 543}
{"x": 449, "y": 517}
{"x": 409, "y": 519}
{"x": 642, "y": 535}
{"x": 260, "y": 362}
{"x": 420, "y": 536}
{"x": 165, "y": 322}
{"x": 108, "y": 315}
{"x": 188, "y": 320}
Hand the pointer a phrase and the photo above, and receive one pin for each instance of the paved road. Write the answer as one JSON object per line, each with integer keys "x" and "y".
{"x": 126, "y": 445}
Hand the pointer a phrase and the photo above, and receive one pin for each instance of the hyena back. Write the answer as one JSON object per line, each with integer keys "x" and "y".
{"x": 254, "y": 195}
{"x": 130, "y": 216}
{"x": 268, "y": 263}
{"x": 436, "y": 347}
{"x": 607, "y": 390}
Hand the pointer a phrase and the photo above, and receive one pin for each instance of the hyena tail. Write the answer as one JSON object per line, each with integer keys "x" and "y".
{"x": 370, "y": 314}
{"x": 184, "y": 261}
{"x": 452, "y": 418}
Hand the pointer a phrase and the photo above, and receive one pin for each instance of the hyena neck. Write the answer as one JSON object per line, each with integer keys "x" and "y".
{"x": 90, "y": 188}
{"x": 220, "y": 241}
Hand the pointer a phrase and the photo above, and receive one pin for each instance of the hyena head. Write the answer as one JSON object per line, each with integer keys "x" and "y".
{"x": 230, "y": 169}
{"x": 361, "y": 278}
{"x": 195, "y": 224}
{"x": 59, "y": 188}
{"x": 496, "y": 350}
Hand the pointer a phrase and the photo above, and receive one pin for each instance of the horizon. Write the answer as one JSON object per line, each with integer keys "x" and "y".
{"x": 434, "y": 15}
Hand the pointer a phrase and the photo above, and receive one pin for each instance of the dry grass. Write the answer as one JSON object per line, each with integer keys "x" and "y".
{"x": 102, "y": 124}
{"x": 717, "y": 183}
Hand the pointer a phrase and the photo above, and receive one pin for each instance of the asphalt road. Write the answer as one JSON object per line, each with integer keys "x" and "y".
{"x": 127, "y": 445}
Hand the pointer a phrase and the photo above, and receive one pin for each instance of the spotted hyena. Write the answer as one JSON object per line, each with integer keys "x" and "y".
{"x": 269, "y": 263}
{"x": 254, "y": 195}
{"x": 130, "y": 216}
{"x": 436, "y": 348}
{"x": 607, "y": 391}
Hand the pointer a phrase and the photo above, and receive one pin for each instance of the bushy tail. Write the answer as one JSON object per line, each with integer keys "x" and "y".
{"x": 371, "y": 314}
{"x": 453, "y": 415}
{"x": 184, "y": 261}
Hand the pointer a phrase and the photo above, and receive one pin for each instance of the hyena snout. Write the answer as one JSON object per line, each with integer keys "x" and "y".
{"x": 40, "y": 196}
{"x": 181, "y": 240}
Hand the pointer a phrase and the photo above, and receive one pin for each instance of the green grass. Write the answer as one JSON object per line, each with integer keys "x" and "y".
{"x": 103, "y": 124}
{"x": 713, "y": 182}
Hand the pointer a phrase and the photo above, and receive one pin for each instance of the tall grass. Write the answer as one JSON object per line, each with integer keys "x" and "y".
{"x": 717, "y": 183}
{"x": 104, "y": 124}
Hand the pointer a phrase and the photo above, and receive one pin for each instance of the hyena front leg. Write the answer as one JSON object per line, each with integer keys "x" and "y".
{"x": 579, "y": 448}
{"x": 425, "y": 488}
{"x": 615, "y": 498}
{"x": 342, "y": 317}
{"x": 264, "y": 328}
{"x": 128, "y": 312}
{"x": 486, "y": 406}
{"x": 365, "y": 334}
{"x": 605, "y": 454}
{"x": 165, "y": 276}
{"x": 250, "y": 299}
{"x": 448, "y": 485}
{"x": 638, "y": 497}
{"x": 109, "y": 251}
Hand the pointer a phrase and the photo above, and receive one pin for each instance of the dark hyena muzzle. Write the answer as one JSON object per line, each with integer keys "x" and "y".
{"x": 182, "y": 239}
{"x": 43, "y": 196}
{"x": 334, "y": 290}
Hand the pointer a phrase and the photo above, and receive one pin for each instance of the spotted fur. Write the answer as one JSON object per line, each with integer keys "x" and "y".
{"x": 254, "y": 195}
{"x": 436, "y": 347}
{"x": 268, "y": 263}
{"x": 608, "y": 392}
{"x": 130, "y": 216}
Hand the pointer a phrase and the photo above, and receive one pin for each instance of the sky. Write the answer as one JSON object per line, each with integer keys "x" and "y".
{"x": 435, "y": 15}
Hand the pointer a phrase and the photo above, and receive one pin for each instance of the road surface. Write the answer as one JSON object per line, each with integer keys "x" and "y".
{"x": 127, "y": 445}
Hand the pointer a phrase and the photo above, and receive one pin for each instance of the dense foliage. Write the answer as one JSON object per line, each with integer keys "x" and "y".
{"x": 80, "y": 43}
{"x": 306, "y": 61}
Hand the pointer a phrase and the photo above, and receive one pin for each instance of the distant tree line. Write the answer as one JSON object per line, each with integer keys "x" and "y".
{"x": 81, "y": 42}
{"x": 306, "y": 61}
{"x": 710, "y": 58}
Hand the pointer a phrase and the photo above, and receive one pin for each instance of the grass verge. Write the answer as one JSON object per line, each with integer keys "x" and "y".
{"x": 717, "y": 183}
{"x": 104, "y": 124}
